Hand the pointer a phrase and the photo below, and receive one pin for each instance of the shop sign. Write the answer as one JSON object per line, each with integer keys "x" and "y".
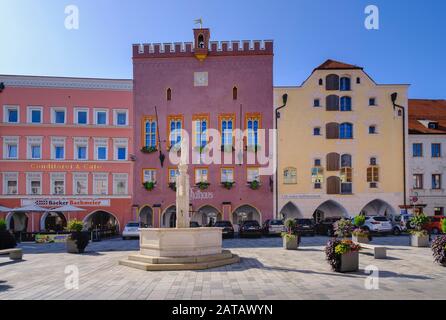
{"x": 64, "y": 202}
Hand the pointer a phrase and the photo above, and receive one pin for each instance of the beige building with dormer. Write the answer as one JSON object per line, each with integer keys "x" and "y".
{"x": 340, "y": 145}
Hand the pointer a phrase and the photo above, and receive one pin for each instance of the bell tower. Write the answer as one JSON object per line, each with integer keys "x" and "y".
{"x": 201, "y": 43}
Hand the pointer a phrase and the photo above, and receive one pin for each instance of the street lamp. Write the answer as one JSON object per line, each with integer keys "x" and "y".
{"x": 393, "y": 97}
{"x": 277, "y": 116}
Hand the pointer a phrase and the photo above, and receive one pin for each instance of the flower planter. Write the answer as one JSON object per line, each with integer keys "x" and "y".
{"x": 291, "y": 243}
{"x": 77, "y": 242}
{"x": 350, "y": 262}
{"x": 360, "y": 239}
{"x": 421, "y": 241}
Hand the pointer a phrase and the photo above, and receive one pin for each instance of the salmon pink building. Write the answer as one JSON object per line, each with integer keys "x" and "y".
{"x": 196, "y": 87}
{"x": 66, "y": 141}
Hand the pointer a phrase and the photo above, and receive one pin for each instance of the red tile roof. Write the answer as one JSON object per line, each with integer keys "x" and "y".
{"x": 423, "y": 109}
{"x": 336, "y": 65}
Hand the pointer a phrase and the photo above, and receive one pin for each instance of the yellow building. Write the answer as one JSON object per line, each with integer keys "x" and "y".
{"x": 340, "y": 145}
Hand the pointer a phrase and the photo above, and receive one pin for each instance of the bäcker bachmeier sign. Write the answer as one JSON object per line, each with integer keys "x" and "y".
{"x": 64, "y": 202}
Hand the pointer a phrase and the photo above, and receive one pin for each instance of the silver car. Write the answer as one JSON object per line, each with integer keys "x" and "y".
{"x": 378, "y": 224}
{"x": 131, "y": 230}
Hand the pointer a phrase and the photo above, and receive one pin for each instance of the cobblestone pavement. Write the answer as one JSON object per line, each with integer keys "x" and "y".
{"x": 266, "y": 271}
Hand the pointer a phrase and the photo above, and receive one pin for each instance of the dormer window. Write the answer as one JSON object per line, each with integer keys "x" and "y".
{"x": 234, "y": 93}
{"x": 432, "y": 125}
{"x": 169, "y": 94}
{"x": 200, "y": 41}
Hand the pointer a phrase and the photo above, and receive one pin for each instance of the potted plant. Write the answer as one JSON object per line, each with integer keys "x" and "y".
{"x": 419, "y": 236}
{"x": 78, "y": 239}
{"x": 254, "y": 184}
{"x": 228, "y": 184}
{"x": 290, "y": 238}
{"x": 147, "y": 149}
{"x": 439, "y": 246}
{"x": 149, "y": 185}
{"x": 360, "y": 235}
{"x": 203, "y": 185}
{"x": 7, "y": 240}
{"x": 173, "y": 186}
{"x": 343, "y": 228}
{"x": 342, "y": 255}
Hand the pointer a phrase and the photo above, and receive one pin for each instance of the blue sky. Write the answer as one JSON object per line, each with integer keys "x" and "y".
{"x": 409, "y": 47}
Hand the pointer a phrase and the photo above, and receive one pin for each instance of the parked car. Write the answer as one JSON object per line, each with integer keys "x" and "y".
{"x": 250, "y": 228}
{"x": 434, "y": 224}
{"x": 378, "y": 225}
{"x": 326, "y": 226}
{"x": 131, "y": 230}
{"x": 228, "y": 229}
{"x": 194, "y": 224}
{"x": 305, "y": 227}
{"x": 273, "y": 227}
{"x": 400, "y": 223}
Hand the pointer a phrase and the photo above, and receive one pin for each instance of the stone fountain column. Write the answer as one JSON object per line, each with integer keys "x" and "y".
{"x": 182, "y": 201}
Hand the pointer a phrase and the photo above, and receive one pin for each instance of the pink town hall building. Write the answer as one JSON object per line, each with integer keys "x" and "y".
{"x": 197, "y": 86}
{"x": 66, "y": 141}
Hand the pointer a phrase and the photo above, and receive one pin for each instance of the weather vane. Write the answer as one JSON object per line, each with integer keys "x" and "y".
{"x": 200, "y": 22}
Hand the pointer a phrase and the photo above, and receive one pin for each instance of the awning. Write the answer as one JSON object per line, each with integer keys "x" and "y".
{"x": 32, "y": 208}
{"x": 4, "y": 209}
{"x": 67, "y": 208}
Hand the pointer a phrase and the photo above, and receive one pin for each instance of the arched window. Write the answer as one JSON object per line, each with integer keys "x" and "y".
{"x": 290, "y": 175}
{"x": 333, "y": 185}
{"x": 346, "y": 104}
{"x": 346, "y": 161}
{"x": 234, "y": 93}
{"x": 346, "y": 131}
{"x": 332, "y": 103}
{"x": 201, "y": 41}
{"x": 332, "y": 130}
{"x": 345, "y": 84}
{"x": 332, "y": 82}
{"x": 169, "y": 94}
{"x": 333, "y": 161}
{"x": 321, "y": 82}
{"x": 373, "y": 161}
{"x": 358, "y": 80}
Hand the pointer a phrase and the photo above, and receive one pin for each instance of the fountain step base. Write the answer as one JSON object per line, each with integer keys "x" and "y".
{"x": 148, "y": 263}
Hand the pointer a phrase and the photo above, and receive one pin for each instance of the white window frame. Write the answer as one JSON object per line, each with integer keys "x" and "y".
{"x": 228, "y": 178}
{"x": 80, "y": 142}
{"x": 248, "y": 178}
{"x": 56, "y": 176}
{"x": 10, "y": 141}
{"x": 29, "y": 111}
{"x": 115, "y": 117}
{"x": 100, "y": 142}
{"x": 30, "y": 177}
{"x": 30, "y": 142}
{"x": 119, "y": 143}
{"x": 80, "y": 176}
{"x": 10, "y": 176}
{"x": 6, "y": 108}
{"x": 100, "y": 177}
{"x": 58, "y": 141}
{"x": 96, "y": 111}
{"x": 79, "y": 109}
{"x": 200, "y": 176}
{"x": 151, "y": 177}
{"x": 119, "y": 177}
{"x": 53, "y": 115}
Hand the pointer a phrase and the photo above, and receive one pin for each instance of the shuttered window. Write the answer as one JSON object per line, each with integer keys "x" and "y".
{"x": 373, "y": 174}
{"x": 346, "y": 160}
{"x": 333, "y": 161}
{"x": 332, "y": 130}
{"x": 332, "y": 103}
{"x": 333, "y": 185}
{"x": 332, "y": 82}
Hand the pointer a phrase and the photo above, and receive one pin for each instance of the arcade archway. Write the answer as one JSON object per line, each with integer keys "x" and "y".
{"x": 53, "y": 221}
{"x": 146, "y": 217}
{"x": 329, "y": 209}
{"x": 170, "y": 217}
{"x": 290, "y": 211}
{"x": 206, "y": 216}
{"x": 101, "y": 220}
{"x": 17, "y": 221}
{"x": 246, "y": 212}
{"x": 378, "y": 207}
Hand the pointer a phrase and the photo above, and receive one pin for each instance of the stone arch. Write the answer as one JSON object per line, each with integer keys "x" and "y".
{"x": 378, "y": 207}
{"x": 205, "y": 213}
{"x": 246, "y": 212}
{"x": 17, "y": 221}
{"x": 55, "y": 221}
{"x": 169, "y": 217}
{"x": 329, "y": 208}
{"x": 290, "y": 211}
{"x": 101, "y": 219}
{"x": 146, "y": 217}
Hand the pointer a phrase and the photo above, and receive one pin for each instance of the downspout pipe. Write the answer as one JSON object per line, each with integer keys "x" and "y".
{"x": 277, "y": 116}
